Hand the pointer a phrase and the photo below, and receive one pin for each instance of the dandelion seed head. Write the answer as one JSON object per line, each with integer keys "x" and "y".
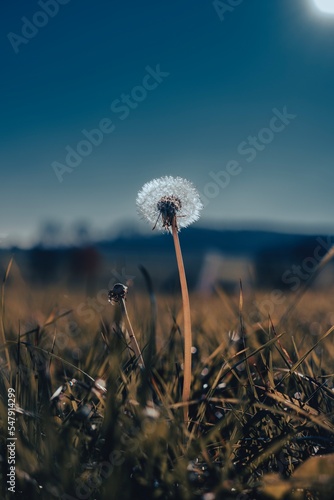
{"x": 168, "y": 207}
{"x": 160, "y": 200}
{"x": 118, "y": 293}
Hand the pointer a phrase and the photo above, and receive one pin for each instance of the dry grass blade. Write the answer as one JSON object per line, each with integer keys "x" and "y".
{"x": 275, "y": 446}
{"x": 3, "y": 333}
{"x": 151, "y": 349}
{"x": 50, "y": 321}
{"x": 302, "y": 358}
{"x": 55, "y": 356}
{"x": 243, "y": 335}
{"x": 302, "y": 409}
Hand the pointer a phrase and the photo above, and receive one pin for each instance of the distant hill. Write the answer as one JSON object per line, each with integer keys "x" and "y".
{"x": 270, "y": 254}
{"x": 239, "y": 243}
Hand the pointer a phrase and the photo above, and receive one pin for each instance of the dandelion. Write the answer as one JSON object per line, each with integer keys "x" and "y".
{"x": 161, "y": 200}
{"x": 170, "y": 203}
{"x": 117, "y": 296}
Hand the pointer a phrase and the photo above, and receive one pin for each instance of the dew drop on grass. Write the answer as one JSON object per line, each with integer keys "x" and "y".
{"x": 234, "y": 335}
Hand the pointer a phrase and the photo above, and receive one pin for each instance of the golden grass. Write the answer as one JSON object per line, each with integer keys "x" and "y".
{"x": 261, "y": 400}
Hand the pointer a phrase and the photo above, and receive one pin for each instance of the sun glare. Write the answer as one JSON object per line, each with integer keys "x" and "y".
{"x": 325, "y": 5}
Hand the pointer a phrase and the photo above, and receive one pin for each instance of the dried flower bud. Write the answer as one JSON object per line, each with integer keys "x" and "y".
{"x": 118, "y": 293}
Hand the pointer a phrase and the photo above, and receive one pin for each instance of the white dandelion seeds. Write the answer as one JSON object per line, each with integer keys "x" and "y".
{"x": 160, "y": 200}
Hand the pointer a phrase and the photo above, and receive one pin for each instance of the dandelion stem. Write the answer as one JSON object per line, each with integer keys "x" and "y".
{"x": 133, "y": 341}
{"x": 186, "y": 320}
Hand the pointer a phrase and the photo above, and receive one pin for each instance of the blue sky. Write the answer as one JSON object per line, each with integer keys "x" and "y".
{"x": 222, "y": 81}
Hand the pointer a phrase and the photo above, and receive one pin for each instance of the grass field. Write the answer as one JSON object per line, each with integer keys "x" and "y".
{"x": 90, "y": 424}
